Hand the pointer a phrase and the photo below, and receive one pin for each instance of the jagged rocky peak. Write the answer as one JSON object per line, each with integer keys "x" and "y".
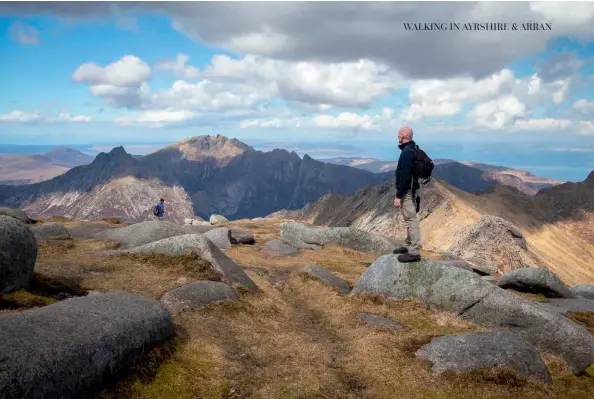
{"x": 219, "y": 147}
{"x": 115, "y": 155}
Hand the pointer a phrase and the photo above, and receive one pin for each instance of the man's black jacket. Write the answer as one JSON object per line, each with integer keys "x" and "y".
{"x": 404, "y": 170}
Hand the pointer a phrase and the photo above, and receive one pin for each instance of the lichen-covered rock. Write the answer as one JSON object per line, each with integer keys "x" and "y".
{"x": 50, "y": 231}
{"x": 68, "y": 349}
{"x": 221, "y": 237}
{"x": 142, "y": 233}
{"x": 16, "y": 213}
{"x": 196, "y": 295}
{"x": 301, "y": 236}
{"x": 467, "y": 352}
{"x": 466, "y": 294}
{"x": 197, "y": 244}
{"x": 536, "y": 281}
{"x": 18, "y": 253}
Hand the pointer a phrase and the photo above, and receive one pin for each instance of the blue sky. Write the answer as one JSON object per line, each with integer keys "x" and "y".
{"x": 93, "y": 73}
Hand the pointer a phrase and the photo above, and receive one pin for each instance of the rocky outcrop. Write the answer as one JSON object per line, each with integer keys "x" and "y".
{"x": 279, "y": 248}
{"x": 18, "y": 253}
{"x": 196, "y": 295}
{"x": 221, "y": 237}
{"x": 50, "y": 231}
{"x": 466, "y": 294}
{"x": 195, "y": 244}
{"x": 467, "y": 352}
{"x": 328, "y": 278}
{"x": 68, "y": 349}
{"x": 536, "y": 281}
{"x": 142, "y": 233}
{"x": 583, "y": 290}
{"x": 493, "y": 244}
{"x": 299, "y": 235}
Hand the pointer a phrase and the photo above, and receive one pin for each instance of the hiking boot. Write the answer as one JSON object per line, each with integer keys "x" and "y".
{"x": 405, "y": 258}
{"x": 400, "y": 250}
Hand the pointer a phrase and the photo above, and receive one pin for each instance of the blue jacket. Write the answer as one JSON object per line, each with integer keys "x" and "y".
{"x": 160, "y": 208}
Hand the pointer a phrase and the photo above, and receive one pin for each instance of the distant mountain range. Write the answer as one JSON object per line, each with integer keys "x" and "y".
{"x": 16, "y": 169}
{"x": 210, "y": 174}
{"x": 468, "y": 176}
{"x": 197, "y": 176}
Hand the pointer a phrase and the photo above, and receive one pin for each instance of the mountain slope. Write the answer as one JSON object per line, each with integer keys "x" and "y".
{"x": 212, "y": 174}
{"x": 476, "y": 177}
{"x": 16, "y": 169}
{"x": 502, "y": 228}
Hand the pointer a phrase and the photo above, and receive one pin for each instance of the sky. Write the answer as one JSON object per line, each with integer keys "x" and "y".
{"x": 334, "y": 73}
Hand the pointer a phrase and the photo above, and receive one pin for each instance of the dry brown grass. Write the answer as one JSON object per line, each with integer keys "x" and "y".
{"x": 296, "y": 339}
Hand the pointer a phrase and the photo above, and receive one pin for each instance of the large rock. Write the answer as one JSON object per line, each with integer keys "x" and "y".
{"x": 467, "y": 352}
{"x": 218, "y": 219}
{"x": 15, "y": 213}
{"x": 536, "y": 281}
{"x": 583, "y": 290}
{"x": 50, "y": 231}
{"x": 299, "y": 235}
{"x": 221, "y": 237}
{"x": 18, "y": 253}
{"x": 466, "y": 294}
{"x": 142, "y": 233}
{"x": 279, "y": 248}
{"x": 196, "y": 295}
{"x": 197, "y": 228}
{"x": 328, "y": 278}
{"x": 68, "y": 349}
{"x": 566, "y": 305}
{"x": 240, "y": 236}
{"x": 196, "y": 244}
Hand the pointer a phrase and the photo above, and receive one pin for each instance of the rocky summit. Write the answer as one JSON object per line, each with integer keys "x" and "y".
{"x": 98, "y": 313}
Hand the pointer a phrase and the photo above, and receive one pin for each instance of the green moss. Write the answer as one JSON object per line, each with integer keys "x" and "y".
{"x": 22, "y": 299}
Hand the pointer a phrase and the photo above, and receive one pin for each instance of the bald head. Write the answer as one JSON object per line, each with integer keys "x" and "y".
{"x": 405, "y": 134}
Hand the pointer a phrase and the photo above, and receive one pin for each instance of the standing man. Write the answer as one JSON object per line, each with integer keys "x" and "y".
{"x": 160, "y": 209}
{"x": 406, "y": 189}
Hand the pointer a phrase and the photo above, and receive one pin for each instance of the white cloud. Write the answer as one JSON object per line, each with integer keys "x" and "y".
{"x": 178, "y": 66}
{"x": 65, "y": 116}
{"x": 128, "y": 71}
{"x": 156, "y": 118}
{"x": 17, "y": 116}
{"x": 586, "y": 128}
{"x": 543, "y": 124}
{"x": 584, "y": 105}
{"x": 276, "y": 123}
{"x": 498, "y": 113}
{"x": 350, "y": 120}
{"x": 23, "y": 33}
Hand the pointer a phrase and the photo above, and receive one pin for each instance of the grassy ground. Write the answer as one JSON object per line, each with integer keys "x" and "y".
{"x": 296, "y": 339}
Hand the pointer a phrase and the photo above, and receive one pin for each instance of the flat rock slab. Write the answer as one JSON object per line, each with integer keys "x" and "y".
{"x": 142, "y": 233}
{"x": 89, "y": 230}
{"x": 197, "y": 244}
{"x": 467, "y": 352}
{"x": 535, "y": 281}
{"x": 50, "y": 231}
{"x": 18, "y": 254}
{"x": 68, "y": 349}
{"x": 277, "y": 247}
{"x": 378, "y": 320}
{"x": 583, "y": 290}
{"x": 454, "y": 290}
{"x": 198, "y": 229}
{"x": 299, "y": 235}
{"x": 566, "y": 305}
{"x": 196, "y": 295}
{"x": 328, "y": 278}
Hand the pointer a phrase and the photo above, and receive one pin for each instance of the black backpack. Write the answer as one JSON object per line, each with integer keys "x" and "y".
{"x": 156, "y": 210}
{"x": 423, "y": 166}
